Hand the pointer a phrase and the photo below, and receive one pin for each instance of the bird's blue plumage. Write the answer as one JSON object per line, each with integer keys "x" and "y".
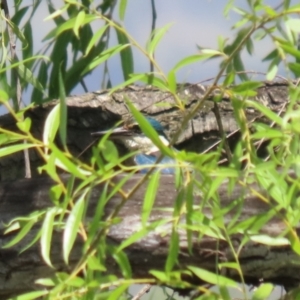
{"x": 148, "y": 159}
{"x": 135, "y": 140}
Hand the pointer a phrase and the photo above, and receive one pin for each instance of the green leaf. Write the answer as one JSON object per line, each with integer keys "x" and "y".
{"x": 266, "y": 111}
{"x": 3, "y": 96}
{"x": 156, "y": 37}
{"x": 109, "y": 151}
{"x": 150, "y": 196}
{"x": 24, "y": 125}
{"x": 72, "y": 225}
{"x": 31, "y": 295}
{"x": 4, "y": 151}
{"x": 193, "y": 59}
{"x": 122, "y": 9}
{"x": 28, "y": 77}
{"x": 148, "y": 129}
{"x": 121, "y": 258}
{"x": 293, "y": 24}
{"x": 21, "y": 234}
{"x": 22, "y": 62}
{"x": 57, "y": 12}
{"x": 63, "y": 117}
{"x": 69, "y": 25}
{"x": 16, "y": 31}
{"x": 105, "y": 55}
{"x": 45, "y": 281}
{"x": 213, "y": 278}
{"x": 272, "y": 71}
{"x": 263, "y": 291}
{"x": 118, "y": 292}
{"x": 270, "y": 241}
{"x": 133, "y": 238}
{"x": 51, "y": 126}
{"x": 247, "y": 86}
{"x": 173, "y": 251}
{"x": 46, "y": 235}
{"x": 27, "y": 48}
{"x": 62, "y": 161}
{"x": 126, "y": 55}
{"x": 79, "y": 22}
{"x": 172, "y": 81}
{"x": 97, "y": 36}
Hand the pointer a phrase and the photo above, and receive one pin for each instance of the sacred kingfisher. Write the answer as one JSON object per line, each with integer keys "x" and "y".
{"x": 134, "y": 139}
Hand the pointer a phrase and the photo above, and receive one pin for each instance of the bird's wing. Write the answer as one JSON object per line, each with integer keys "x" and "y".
{"x": 147, "y": 159}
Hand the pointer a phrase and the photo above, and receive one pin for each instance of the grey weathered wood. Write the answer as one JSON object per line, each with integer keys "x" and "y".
{"x": 101, "y": 110}
{"x": 17, "y": 271}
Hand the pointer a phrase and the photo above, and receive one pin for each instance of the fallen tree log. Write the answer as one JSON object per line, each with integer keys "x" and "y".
{"x": 101, "y": 110}
{"x": 277, "y": 264}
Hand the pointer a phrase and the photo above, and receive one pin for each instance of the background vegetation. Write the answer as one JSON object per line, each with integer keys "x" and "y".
{"x": 73, "y": 50}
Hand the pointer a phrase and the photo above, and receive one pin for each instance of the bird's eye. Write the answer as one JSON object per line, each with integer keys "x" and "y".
{"x": 134, "y": 128}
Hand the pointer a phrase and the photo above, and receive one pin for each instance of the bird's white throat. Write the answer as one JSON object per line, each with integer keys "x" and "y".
{"x": 142, "y": 143}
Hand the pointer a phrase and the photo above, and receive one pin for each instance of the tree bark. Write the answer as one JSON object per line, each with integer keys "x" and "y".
{"x": 258, "y": 262}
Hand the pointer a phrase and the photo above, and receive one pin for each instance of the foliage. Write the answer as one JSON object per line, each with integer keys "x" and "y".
{"x": 55, "y": 77}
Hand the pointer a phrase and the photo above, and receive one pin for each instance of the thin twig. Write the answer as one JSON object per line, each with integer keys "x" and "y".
{"x": 19, "y": 103}
{"x": 153, "y": 25}
{"x": 142, "y": 292}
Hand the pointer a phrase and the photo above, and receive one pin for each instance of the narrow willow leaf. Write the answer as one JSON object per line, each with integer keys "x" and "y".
{"x": 21, "y": 234}
{"x": 212, "y": 278}
{"x": 294, "y": 240}
{"x": 46, "y": 281}
{"x": 15, "y": 148}
{"x": 51, "y": 126}
{"x": 46, "y": 235}
{"x": 133, "y": 238}
{"x": 97, "y": 36}
{"x": 193, "y": 59}
{"x": 156, "y": 37}
{"x": 3, "y": 96}
{"x": 263, "y": 291}
{"x": 150, "y": 196}
{"x": 62, "y": 161}
{"x": 22, "y": 62}
{"x": 173, "y": 251}
{"x": 172, "y": 81}
{"x": 121, "y": 258}
{"x": 133, "y": 78}
{"x": 57, "y": 12}
{"x": 266, "y": 111}
{"x": 103, "y": 57}
{"x": 291, "y": 50}
{"x": 28, "y": 77}
{"x": 63, "y": 111}
{"x": 16, "y": 31}
{"x": 31, "y": 295}
{"x": 69, "y": 25}
{"x": 122, "y": 9}
{"x": 72, "y": 225}
{"x": 126, "y": 55}
{"x": 273, "y": 69}
{"x": 24, "y": 125}
{"x": 27, "y": 48}
{"x": 148, "y": 129}
{"x": 119, "y": 292}
{"x": 270, "y": 241}
{"x": 293, "y": 24}
{"x": 247, "y": 86}
{"x": 79, "y": 22}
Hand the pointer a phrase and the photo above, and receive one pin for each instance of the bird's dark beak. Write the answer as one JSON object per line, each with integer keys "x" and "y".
{"x": 115, "y": 133}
